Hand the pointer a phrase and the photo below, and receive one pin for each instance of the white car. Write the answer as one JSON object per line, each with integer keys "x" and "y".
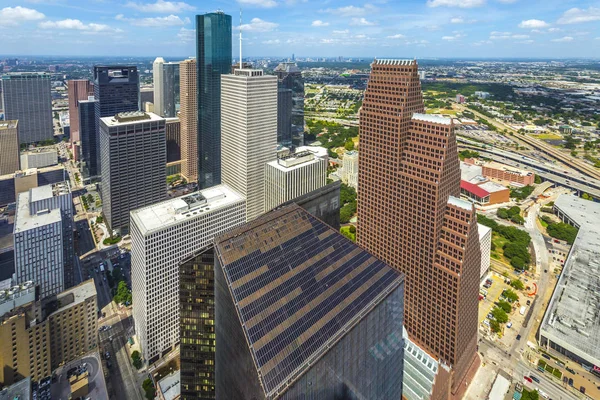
{"x": 486, "y": 322}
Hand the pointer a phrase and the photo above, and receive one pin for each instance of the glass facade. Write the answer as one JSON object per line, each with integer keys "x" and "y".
{"x": 87, "y": 132}
{"x": 171, "y": 90}
{"x": 197, "y": 334}
{"x": 290, "y": 78}
{"x": 213, "y": 59}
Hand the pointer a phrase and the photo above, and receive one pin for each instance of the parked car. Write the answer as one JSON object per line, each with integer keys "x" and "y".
{"x": 570, "y": 370}
{"x": 535, "y": 378}
{"x": 546, "y": 356}
{"x": 518, "y": 337}
{"x": 528, "y": 379}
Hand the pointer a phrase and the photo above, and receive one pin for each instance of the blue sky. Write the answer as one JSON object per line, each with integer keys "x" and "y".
{"x": 401, "y": 28}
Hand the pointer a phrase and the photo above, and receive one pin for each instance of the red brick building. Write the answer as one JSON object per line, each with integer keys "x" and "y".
{"x": 410, "y": 215}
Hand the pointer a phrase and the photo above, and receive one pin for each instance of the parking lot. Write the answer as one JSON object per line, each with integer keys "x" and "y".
{"x": 61, "y": 389}
{"x": 480, "y": 133}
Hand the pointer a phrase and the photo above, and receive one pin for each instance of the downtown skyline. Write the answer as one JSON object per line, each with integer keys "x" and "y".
{"x": 382, "y": 28}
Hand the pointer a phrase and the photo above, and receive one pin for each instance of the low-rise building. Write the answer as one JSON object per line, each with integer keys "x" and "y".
{"x": 39, "y": 158}
{"x": 503, "y": 172}
{"x": 20, "y": 390}
{"x": 348, "y": 173}
{"x": 483, "y": 192}
{"x": 571, "y": 325}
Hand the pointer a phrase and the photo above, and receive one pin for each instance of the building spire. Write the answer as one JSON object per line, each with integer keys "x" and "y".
{"x": 241, "y": 65}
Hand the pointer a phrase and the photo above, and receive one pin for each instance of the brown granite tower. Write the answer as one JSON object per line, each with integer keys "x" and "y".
{"x": 410, "y": 215}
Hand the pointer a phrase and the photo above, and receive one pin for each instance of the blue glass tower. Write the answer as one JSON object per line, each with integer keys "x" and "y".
{"x": 213, "y": 59}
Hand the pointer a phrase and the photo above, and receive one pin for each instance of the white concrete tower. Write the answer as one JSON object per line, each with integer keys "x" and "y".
{"x": 248, "y": 134}
{"x": 158, "y": 72}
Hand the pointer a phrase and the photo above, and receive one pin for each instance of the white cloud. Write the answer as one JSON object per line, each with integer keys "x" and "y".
{"x": 506, "y": 35}
{"x": 319, "y": 23}
{"x": 11, "y": 16}
{"x": 563, "y": 39}
{"x": 329, "y": 41}
{"x": 457, "y": 36}
{"x": 529, "y": 41}
{"x": 361, "y": 22}
{"x": 554, "y": 30}
{"x": 258, "y": 25}
{"x": 186, "y": 35}
{"x": 455, "y": 3}
{"x": 259, "y": 3}
{"x": 161, "y": 6}
{"x": 272, "y": 42}
{"x": 533, "y": 24}
{"x": 171, "y": 20}
{"x": 508, "y": 1}
{"x": 397, "y": 36}
{"x": 352, "y": 11}
{"x": 458, "y": 20}
{"x": 578, "y": 15}
{"x": 77, "y": 25}
{"x": 519, "y": 37}
{"x": 344, "y": 32}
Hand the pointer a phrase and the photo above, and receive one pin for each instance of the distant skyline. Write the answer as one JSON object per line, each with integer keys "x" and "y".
{"x": 325, "y": 28}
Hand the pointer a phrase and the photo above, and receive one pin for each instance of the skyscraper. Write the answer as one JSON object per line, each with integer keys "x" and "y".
{"x": 116, "y": 89}
{"x": 166, "y": 87}
{"x": 188, "y": 117}
{"x": 197, "y": 335}
{"x": 77, "y": 89}
{"x": 293, "y": 176}
{"x": 213, "y": 57}
{"x": 302, "y": 312}
{"x": 9, "y": 147}
{"x": 290, "y": 77}
{"x": 249, "y": 134}
{"x": 43, "y": 237}
{"x": 134, "y": 157}
{"x": 90, "y": 148}
{"x": 27, "y": 98}
{"x": 410, "y": 214}
{"x": 163, "y": 235}
{"x": 284, "y": 117}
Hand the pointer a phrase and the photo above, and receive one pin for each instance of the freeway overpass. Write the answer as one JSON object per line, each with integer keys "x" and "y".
{"x": 578, "y": 183}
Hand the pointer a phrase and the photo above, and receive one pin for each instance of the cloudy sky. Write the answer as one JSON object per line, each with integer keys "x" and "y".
{"x": 402, "y": 28}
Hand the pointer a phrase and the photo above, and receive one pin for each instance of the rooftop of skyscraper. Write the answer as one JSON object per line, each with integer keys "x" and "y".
{"x": 129, "y": 118}
{"x": 299, "y": 287}
{"x": 294, "y": 161}
{"x": 190, "y": 206}
{"x": 48, "y": 191}
{"x": 432, "y": 118}
{"x": 24, "y": 220}
{"x": 8, "y": 124}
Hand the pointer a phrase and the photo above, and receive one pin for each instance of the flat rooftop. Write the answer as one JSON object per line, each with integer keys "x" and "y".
{"x": 77, "y": 294}
{"x": 492, "y": 187}
{"x": 483, "y": 230}
{"x": 507, "y": 168}
{"x": 294, "y": 161}
{"x": 172, "y": 211}
{"x": 432, "y": 118}
{"x": 48, "y": 191}
{"x": 25, "y": 221}
{"x": 468, "y": 171}
{"x": 8, "y": 124}
{"x": 170, "y": 387}
{"x": 455, "y": 201}
{"x": 130, "y": 118}
{"x": 579, "y": 210}
{"x": 18, "y": 390}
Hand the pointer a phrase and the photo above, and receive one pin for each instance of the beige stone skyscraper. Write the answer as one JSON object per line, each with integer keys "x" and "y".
{"x": 410, "y": 215}
{"x": 9, "y": 147}
{"x": 188, "y": 117}
{"x": 78, "y": 90}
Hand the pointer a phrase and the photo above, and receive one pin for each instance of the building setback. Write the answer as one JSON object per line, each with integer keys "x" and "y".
{"x": 77, "y": 90}
{"x": 290, "y": 77}
{"x": 163, "y": 235}
{"x": 134, "y": 156}
{"x": 117, "y": 90}
{"x": 43, "y": 238}
{"x": 27, "y": 98}
{"x": 249, "y": 134}
{"x": 410, "y": 215}
{"x": 293, "y": 176}
{"x": 213, "y": 59}
{"x": 188, "y": 117}
{"x": 197, "y": 334}
{"x": 9, "y": 147}
{"x": 302, "y": 312}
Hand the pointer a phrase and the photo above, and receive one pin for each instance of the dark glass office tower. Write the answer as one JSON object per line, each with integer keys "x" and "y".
{"x": 197, "y": 327}
{"x": 284, "y": 117}
{"x": 213, "y": 59}
{"x": 290, "y": 77}
{"x": 171, "y": 89}
{"x": 116, "y": 89}
{"x": 87, "y": 133}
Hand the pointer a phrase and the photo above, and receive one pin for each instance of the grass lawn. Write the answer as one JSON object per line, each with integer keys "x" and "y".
{"x": 557, "y": 373}
{"x": 543, "y": 223}
{"x": 499, "y": 242}
{"x": 548, "y": 136}
{"x": 440, "y": 111}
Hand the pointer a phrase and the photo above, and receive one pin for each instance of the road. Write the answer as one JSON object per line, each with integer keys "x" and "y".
{"x": 577, "y": 164}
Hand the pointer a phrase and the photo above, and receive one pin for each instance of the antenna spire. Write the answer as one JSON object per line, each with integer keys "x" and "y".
{"x": 241, "y": 65}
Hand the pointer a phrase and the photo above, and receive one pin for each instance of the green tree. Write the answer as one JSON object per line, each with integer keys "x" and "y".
{"x": 500, "y": 315}
{"x": 517, "y": 284}
{"x": 517, "y": 219}
{"x": 510, "y": 295}
{"x": 502, "y": 213}
{"x": 123, "y": 293}
{"x": 495, "y": 326}
{"x": 347, "y": 194}
{"x": 505, "y": 305}
{"x": 332, "y": 154}
{"x": 137, "y": 359}
{"x": 352, "y": 229}
{"x": 149, "y": 389}
{"x": 562, "y": 231}
{"x": 586, "y": 196}
{"x": 538, "y": 179}
{"x": 347, "y": 212}
{"x": 533, "y": 395}
{"x": 514, "y": 210}
{"x": 349, "y": 146}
